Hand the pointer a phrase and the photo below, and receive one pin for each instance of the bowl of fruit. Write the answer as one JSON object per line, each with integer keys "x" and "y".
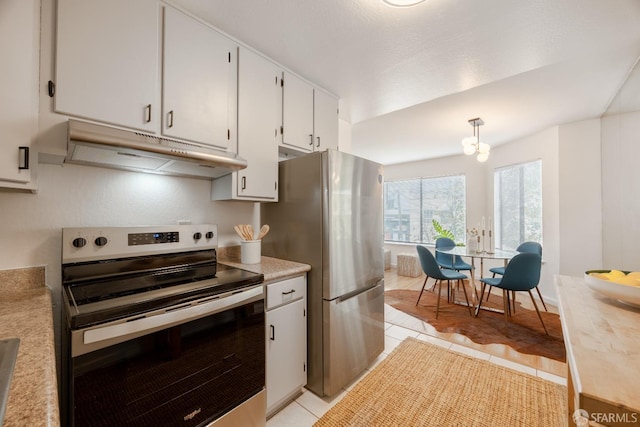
{"x": 623, "y": 286}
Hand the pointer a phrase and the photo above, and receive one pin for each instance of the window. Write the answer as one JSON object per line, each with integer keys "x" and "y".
{"x": 518, "y": 204}
{"x": 411, "y": 205}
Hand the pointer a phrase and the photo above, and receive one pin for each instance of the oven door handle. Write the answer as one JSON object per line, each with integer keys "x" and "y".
{"x": 172, "y": 316}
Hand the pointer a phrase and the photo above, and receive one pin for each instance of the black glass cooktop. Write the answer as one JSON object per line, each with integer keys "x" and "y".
{"x": 99, "y": 292}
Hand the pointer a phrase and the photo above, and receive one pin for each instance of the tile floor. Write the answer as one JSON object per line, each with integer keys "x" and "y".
{"x": 308, "y": 408}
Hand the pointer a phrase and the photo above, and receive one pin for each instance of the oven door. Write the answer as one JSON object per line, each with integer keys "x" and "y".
{"x": 160, "y": 371}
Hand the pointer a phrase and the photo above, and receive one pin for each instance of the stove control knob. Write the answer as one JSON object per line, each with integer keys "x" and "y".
{"x": 79, "y": 242}
{"x": 197, "y": 236}
{"x": 101, "y": 241}
{"x": 209, "y": 235}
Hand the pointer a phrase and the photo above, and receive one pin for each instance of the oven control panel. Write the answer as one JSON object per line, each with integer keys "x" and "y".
{"x": 153, "y": 238}
{"x": 95, "y": 243}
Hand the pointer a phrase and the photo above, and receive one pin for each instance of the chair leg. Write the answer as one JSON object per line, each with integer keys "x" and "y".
{"x": 439, "y": 292}
{"x": 538, "y": 311}
{"x": 489, "y": 293}
{"x": 423, "y": 285}
{"x": 513, "y": 301}
{"x": 540, "y": 295}
{"x": 484, "y": 285}
{"x": 466, "y": 297}
{"x": 505, "y": 307}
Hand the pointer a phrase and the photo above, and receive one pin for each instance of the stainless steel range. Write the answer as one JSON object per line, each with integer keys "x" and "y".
{"x": 157, "y": 332}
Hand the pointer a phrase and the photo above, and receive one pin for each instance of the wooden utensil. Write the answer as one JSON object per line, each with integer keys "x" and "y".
{"x": 250, "y": 232}
{"x": 245, "y": 233}
{"x": 263, "y": 231}
{"x": 239, "y": 231}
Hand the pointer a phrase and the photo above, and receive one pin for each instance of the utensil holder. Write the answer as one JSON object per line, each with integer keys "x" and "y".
{"x": 250, "y": 251}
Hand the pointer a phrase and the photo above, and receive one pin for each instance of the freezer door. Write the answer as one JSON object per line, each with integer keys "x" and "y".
{"x": 353, "y": 336}
{"x": 352, "y": 224}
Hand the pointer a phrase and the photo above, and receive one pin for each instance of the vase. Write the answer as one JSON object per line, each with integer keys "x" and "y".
{"x": 472, "y": 244}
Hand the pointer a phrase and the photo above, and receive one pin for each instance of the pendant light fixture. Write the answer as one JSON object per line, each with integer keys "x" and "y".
{"x": 472, "y": 144}
{"x": 402, "y": 3}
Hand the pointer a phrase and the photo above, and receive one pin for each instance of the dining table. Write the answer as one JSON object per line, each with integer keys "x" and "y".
{"x": 496, "y": 254}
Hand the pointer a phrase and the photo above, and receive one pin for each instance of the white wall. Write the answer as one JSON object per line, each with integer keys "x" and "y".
{"x": 580, "y": 198}
{"x": 344, "y": 136}
{"x": 621, "y": 178}
{"x": 620, "y": 190}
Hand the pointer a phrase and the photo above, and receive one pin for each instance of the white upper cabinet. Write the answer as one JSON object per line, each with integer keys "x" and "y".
{"x": 309, "y": 117}
{"x": 199, "y": 82}
{"x": 107, "y": 61}
{"x": 19, "y": 46}
{"x": 297, "y": 113}
{"x": 325, "y": 121}
{"x": 259, "y": 118}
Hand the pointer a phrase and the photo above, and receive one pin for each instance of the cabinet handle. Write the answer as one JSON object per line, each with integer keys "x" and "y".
{"x": 170, "y": 119}
{"x": 318, "y": 144}
{"x": 311, "y": 140}
{"x": 148, "y": 109}
{"x": 25, "y": 162}
{"x": 290, "y": 292}
{"x": 273, "y": 333}
{"x": 244, "y": 183}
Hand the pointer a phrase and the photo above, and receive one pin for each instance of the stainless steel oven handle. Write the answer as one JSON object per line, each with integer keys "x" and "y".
{"x": 171, "y": 316}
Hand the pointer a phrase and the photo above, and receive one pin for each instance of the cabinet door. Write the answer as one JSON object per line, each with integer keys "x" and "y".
{"x": 199, "y": 82}
{"x": 107, "y": 61}
{"x": 325, "y": 121}
{"x": 286, "y": 351}
{"x": 297, "y": 113}
{"x": 19, "y": 46}
{"x": 258, "y": 99}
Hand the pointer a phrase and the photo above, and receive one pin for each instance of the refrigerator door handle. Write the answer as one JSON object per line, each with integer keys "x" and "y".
{"x": 355, "y": 293}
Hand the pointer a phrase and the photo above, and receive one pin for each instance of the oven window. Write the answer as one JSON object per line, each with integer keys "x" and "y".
{"x": 187, "y": 375}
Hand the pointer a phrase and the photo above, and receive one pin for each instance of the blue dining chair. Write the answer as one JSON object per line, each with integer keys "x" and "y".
{"x": 526, "y": 247}
{"x": 521, "y": 274}
{"x": 448, "y": 261}
{"x": 431, "y": 269}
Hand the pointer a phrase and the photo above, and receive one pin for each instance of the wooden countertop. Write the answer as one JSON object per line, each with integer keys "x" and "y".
{"x": 26, "y": 313}
{"x": 603, "y": 352}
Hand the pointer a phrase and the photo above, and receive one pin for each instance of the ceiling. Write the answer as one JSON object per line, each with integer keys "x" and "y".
{"x": 409, "y": 79}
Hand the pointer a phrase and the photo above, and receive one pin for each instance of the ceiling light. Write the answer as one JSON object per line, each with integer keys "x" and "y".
{"x": 402, "y": 3}
{"x": 472, "y": 145}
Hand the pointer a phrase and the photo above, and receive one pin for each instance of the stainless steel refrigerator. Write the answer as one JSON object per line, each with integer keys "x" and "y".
{"x": 329, "y": 215}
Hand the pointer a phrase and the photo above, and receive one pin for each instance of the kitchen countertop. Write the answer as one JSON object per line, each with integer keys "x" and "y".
{"x": 603, "y": 353}
{"x": 26, "y": 313}
{"x": 272, "y": 268}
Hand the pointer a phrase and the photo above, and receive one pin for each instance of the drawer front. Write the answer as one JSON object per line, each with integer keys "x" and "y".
{"x": 286, "y": 291}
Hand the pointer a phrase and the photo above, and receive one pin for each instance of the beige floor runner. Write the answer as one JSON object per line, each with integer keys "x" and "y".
{"x": 420, "y": 384}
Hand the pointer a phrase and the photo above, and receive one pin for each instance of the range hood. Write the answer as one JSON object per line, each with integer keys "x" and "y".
{"x": 97, "y": 145}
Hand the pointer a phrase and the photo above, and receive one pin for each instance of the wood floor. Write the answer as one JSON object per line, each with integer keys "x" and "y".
{"x": 395, "y": 317}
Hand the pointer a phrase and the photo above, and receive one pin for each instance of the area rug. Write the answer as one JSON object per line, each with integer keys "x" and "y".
{"x": 420, "y": 384}
{"x": 524, "y": 334}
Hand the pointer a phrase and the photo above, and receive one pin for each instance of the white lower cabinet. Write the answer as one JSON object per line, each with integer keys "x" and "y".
{"x": 286, "y": 341}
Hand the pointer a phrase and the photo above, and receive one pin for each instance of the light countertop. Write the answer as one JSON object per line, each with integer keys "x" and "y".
{"x": 272, "y": 268}
{"x": 26, "y": 313}
{"x": 603, "y": 351}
